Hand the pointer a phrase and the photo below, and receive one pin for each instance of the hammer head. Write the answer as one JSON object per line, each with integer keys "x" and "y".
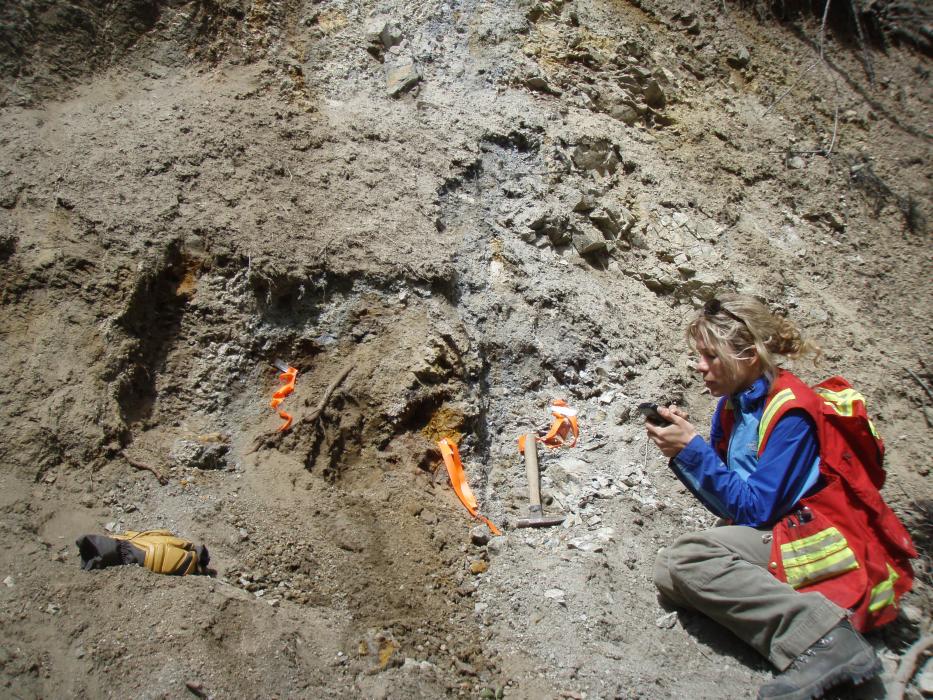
{"x": 540, "y": 521}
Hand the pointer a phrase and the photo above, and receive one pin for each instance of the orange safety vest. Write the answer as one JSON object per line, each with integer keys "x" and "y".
{"x": 843, "y": 541}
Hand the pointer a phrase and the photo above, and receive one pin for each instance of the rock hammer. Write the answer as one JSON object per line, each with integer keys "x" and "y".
{"x": 536, "y": 518}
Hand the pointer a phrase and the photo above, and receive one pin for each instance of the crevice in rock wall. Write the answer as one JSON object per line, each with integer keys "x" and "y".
{"x": 152, "y": 321}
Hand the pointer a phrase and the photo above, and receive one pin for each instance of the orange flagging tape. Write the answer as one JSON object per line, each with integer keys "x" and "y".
{"x": 458, "y": 480}
{"x": 288, "y": 376}
{"x": 565, "y": 421}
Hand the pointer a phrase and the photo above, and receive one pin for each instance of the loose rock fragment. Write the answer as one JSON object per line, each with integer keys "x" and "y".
{"x": 654, "y": 95}
{"x": 382, "y": 33}
{"x": 479, "y": 535}
{"x": 587, "y": 241}
{"x": 606, "y": 221}
{"x": 195, "y": 454}
{"x": 402, "y": 74}
{"x": 599, "y": 155}
{"x": 740, "y": 58}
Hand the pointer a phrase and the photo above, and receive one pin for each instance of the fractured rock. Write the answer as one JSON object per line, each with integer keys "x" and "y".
{"x": 599, "y": 155}
{"x": 539, "y": 83}
{"x": 568, "y": 472}
{"x": 619, "y": 104}
{"x": 479, "y": 535}
{"x": 605, "y": 221}
{"x": 625, "y": 113}
{"x": 740, "y": 58}
{"x": 195, "y": 454}
{"x": 587, "y": 241}
{"x": 654, "y": 95}
{"x": 382, "y": 33}
{"x": 583, "y": 202}
{"x": 402, "y": 74}
{"x": 534, "y": 218}
{"x": 659, "y": 282}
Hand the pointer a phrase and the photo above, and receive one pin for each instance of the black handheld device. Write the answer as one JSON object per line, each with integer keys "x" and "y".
{"x": 650, "y": 412}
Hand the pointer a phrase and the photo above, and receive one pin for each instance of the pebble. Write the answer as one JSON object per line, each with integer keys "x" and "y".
{"x": 8, "y": 582}
{"x": 584, "y": 545}
{"x": 478, "y": 567}
{"x": 666, "y": 622}
{"x": 740, "y": 58}
{"x": 479, "y": 535}
{"x": 496, "y": 545}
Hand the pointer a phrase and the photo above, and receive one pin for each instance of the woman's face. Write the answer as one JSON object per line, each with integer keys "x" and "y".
{"x": 716, "y": 375}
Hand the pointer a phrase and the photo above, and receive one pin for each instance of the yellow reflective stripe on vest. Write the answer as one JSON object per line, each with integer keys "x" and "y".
{"x": 883, "y": 594}
{"x": 843, "y": 402}
{"x": 774, "y": 405}
{"x": 811, "y": 548}
{"x": 817, "y": 557}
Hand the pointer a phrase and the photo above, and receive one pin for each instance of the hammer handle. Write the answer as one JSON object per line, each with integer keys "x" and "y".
{"x": 531, "y": 471}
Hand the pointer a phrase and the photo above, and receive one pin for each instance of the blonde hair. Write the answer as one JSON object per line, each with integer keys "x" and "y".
{"x": 740, "y": 327}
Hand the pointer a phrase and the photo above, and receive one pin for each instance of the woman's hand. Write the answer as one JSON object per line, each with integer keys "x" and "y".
{"x": 678, "y": 411}
{"x": 671, "y": 439}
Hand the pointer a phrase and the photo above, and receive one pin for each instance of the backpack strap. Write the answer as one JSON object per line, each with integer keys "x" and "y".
{"x": 788, "y": 393}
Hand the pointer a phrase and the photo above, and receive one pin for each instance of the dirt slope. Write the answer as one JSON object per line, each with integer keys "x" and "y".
{"x": 472, "y": 208}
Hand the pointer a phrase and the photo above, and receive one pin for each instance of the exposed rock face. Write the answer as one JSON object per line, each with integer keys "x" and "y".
{"x": 444, "y": 215}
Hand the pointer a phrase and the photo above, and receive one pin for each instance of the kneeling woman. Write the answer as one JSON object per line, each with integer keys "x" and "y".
{"x": 724, "y": 572}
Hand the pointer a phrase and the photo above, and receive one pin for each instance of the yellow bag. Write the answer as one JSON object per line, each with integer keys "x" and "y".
{"x": 165, "y": 553}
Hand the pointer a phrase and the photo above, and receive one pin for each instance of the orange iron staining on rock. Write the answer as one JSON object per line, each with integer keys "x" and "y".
{"x": 288, "y": 376}
{"x": 451, "y": 456}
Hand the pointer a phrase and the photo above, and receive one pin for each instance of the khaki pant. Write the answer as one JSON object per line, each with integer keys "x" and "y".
{"x": 723, "y": 573}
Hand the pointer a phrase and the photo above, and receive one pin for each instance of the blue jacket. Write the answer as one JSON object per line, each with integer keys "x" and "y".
{"x": 748, "y": 489}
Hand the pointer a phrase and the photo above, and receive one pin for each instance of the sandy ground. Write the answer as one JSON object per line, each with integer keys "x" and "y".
{"x": 471, "y": 209}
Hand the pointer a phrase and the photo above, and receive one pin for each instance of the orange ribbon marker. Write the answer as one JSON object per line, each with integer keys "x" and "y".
{"x": 288, "y": 376}
{"x": 565, "y": 421}
{"x": 451, "y": 456}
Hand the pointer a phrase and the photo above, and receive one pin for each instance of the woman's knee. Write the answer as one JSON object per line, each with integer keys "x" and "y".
{"x": 662, "y": 574}
{"x": 689, "y": 553}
